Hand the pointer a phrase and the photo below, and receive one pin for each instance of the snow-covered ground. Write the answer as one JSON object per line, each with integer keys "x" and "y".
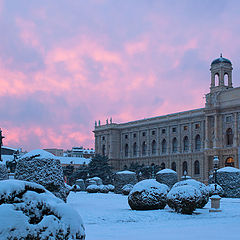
{"x": 108, "y": 216}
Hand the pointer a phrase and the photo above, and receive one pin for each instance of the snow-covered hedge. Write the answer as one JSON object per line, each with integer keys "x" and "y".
{"x": 93, "y": 189}
{"x": 229, "y": 179}
{"x": 103, "y": 189}
{"x": 183, "y": 199}
{"x": 93, "y": 181}
{"x": 167, "y": 176}
{"x": 29, "y": 211}
{"x": 81, "y": 184}
{"x": 122, "y": 178}
{"x": 211, "y": 189}
{"x": 204, "y": 198}
{"x": 3, "y": 172}
{"x": 111, "y": 187}
{"x": 75, "y": 188}
{"x": 126, "y": 189}
{"x": 148, "y": 195}
{"x": 45, "y": 171}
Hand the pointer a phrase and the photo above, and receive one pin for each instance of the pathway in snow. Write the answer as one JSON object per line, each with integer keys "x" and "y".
{"x": 108, "y": 216}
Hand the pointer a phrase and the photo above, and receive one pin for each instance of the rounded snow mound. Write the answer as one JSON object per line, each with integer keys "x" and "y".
{"x": 103, "y": 189}
{"x": 93, "y": 188}
{"x": 183, "y": 199}
{"x": 126, "y": 189}
{"x": 228, "y": 169}
{"x": 204, "y": 198}
{"x": 125, "y": 172}
{"x": 166, "y": 170}
{"x": 32, "y": 212}
{"x": 45, "y": 171}
{"x": 167, "y": 176}
{"x": 3, "y": 172}
{"x": 148, "y": 195}
{"x": 38, "y": 153}
{"x": 111, "y": 187}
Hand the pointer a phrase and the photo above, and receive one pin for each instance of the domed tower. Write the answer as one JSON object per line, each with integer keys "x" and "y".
{"x": 221, "y": 74}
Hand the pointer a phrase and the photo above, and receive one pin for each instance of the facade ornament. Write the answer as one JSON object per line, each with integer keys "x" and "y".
{"x": 99, "y": 123}
{"x": 111, "y": 120}
{"x": 107, "y": 121}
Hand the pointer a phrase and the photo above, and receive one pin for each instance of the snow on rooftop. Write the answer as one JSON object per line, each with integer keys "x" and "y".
{"x": 166, "y": 170}
{"x": 125, "y": 172}
{"x": 42, "y": 153}
{"x": 229, "y": 169}
{"x": 74, "y": 160}
{"x": 6, "y": 158}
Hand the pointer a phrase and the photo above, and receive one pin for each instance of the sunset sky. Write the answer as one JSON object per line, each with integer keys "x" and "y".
{"x": 66, "y": 63}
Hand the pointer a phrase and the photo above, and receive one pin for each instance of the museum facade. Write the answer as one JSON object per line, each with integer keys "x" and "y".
{"x": 185, "y": 141}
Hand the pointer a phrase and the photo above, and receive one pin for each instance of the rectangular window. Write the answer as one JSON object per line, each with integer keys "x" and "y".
{"x": 144, "y": 134}
{"x": 174, "y": 130}
{"x": 163, "y": 131}
{"x": 197, "y": 126}
{"x": 153, "y": 132}
{"x": 185, "y": 128}
{"x": 103, "y": 138}
{"x": 134, "y": 135}
{"x": 126, "y": 136}
{"x": 228, "y": 119}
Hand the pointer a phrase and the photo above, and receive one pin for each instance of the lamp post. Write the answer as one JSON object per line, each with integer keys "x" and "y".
{"x": 215, "y": 199}
{"x": 1, "y": 143}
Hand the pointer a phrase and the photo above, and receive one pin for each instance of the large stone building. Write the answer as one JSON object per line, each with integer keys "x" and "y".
{"x": 183, "y": 141}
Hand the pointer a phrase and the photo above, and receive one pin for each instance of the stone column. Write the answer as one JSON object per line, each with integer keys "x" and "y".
{"x": 206, "y": 132}
{"x": 235, "y": 136}
{"x": 215, "y": 141}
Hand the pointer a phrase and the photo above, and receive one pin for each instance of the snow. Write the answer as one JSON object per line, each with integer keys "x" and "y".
{"x": 6, "y": 158}
{"x": 148, "y": 184}
{"x": 229, "y": 169}
{"x": 108, "y": 217}
{"x": 125, "y": 172}
{"x": 166, "y": 170}
{"x": 42, "y": 153}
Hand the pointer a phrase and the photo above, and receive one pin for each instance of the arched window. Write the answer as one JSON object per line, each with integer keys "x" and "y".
{"x": 229, "y": 137}
{"x": 196, "y": 167}
{"x": 164, "y": 146}
{"x": 226, "y": 77}
{"x": 184, "y": 168}
{"x": 216, "y": 77}
{"x": 163, "y": 166}
{"x": 174, "y": 167}
{"x": 197, "y": 143}
{"x": 174, "y": 145}
{"x": 144, "y": 149}
{"x": 229, "y": 162}
{"x": 103, "y": 150}
{"x": 126, "y": 150}
{"x": 185, "y": 144}
{"x": 135, "y": 149}
{"x": 154, "y": 147}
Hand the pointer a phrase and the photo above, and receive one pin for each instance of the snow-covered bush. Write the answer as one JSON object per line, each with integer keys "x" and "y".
{"x": 211, "y": 189}
{"x": 103, "y": 189}
{"x": 148, "y": 195}
{"x": 204, "y": 198}
{"x": 93, "y": 189}
{"x": 98, "y": 180}
{"x": 111, "y": 187}
{"x": 3, "y": 172}
{"x": 229, "y": 179}
{"x": 45, "y": 171}
{"x": 122, "y": 178}
{"x": 126, "y": 189}
{"x": 167, "y": 176}
{"x": 75, "y": 188}
{"x": 81, "y": 184}
{"x": 29, "y": 211}
{"x": 89, "y": 182}
{"x": 183, "y": 199}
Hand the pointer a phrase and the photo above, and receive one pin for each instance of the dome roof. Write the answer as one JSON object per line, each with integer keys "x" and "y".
{"x": 221, "y": 60}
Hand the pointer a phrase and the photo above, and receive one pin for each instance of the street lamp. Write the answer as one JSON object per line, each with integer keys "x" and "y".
{"x": 215, "y": 168}
{"x": 215, "y": 199}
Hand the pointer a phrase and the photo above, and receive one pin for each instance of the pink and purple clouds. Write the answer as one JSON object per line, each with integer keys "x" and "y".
{"x": 65, "y": 64}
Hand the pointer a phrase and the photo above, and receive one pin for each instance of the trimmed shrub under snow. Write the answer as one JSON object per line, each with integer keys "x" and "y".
{"x": 45, "y": 171}
{"x": 93, "y": 189}
{"x": 111, "y": 187}
{"x": 204, "y": 197}
{"x": 3, "y": 172}
{"x": 148, "y": 195}
{"x": 126, "y": 189}
{"x": 103, "y": 189}
{"x": 29, "y": 211}
{"x": 183, "y": 199}
{"x": 211, "y": 190}
{"x": 167, "y": 176}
